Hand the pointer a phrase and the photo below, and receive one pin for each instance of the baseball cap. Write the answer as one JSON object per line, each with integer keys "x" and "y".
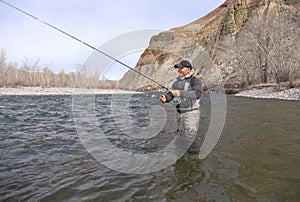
{"x": 183, "y": 63}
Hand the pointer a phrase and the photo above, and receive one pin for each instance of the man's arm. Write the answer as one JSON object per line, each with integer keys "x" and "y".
{"x": 169, "y": 96}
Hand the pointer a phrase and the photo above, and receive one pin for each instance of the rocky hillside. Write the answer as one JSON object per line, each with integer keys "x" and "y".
{"x": 241, "y": 43}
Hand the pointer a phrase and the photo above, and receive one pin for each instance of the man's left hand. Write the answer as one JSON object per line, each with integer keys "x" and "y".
{"x": 175, "y": 93}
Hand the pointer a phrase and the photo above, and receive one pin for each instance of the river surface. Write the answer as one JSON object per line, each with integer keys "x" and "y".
{"x": 42, "y": 157}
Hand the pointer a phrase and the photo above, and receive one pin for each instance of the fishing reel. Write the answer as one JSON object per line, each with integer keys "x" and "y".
{"x": 176, "y": 100}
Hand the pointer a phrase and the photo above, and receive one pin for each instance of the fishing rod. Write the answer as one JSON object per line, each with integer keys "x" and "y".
{"x": 84, "y": 43}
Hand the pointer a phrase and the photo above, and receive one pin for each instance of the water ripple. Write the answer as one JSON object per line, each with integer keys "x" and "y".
{"x": 42, "y": 157}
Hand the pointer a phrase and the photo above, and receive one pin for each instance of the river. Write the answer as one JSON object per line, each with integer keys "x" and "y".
{"x": 257, "y": 157}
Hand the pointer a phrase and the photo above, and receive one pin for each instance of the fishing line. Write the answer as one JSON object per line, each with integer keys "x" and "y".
{"x": 84, "y": 43}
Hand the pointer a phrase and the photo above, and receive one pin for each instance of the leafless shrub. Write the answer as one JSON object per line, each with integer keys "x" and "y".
{"x": 30, "y": 74}
{"x": 266, "y": 50}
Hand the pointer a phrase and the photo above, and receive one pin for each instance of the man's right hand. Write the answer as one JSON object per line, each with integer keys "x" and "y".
{"x": 163, "y": 98}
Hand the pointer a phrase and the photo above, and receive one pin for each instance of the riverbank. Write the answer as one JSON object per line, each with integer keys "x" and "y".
{"x": 59, "y": 91}
{"x": 271, "y": 92}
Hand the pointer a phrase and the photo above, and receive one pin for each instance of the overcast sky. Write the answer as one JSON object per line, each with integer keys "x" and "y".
{"x": 92, "y": 21}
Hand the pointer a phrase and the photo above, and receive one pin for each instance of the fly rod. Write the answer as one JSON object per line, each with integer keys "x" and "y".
{"x": 84, "y": 43}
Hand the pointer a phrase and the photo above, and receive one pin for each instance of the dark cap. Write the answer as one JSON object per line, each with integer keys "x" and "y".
{"x": 183, "y": 63}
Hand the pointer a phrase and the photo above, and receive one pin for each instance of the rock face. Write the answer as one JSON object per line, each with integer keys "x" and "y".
{"x": 232, "y": 47}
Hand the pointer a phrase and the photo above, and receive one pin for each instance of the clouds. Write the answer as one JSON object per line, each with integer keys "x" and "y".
{"x": 92, "y": 21}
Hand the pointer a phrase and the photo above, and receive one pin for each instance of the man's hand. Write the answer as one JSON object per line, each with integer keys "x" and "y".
{"x": 175, "y": 93}
{"x": 163, "y": 98}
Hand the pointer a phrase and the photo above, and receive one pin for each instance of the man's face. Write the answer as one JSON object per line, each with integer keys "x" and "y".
{"x": 183, "y": 71}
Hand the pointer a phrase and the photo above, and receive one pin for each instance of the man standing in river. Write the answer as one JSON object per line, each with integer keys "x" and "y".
{"x": 186, "y": 93}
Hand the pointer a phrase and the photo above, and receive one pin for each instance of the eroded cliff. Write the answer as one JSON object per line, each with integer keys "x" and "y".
{"x": 242, "y": 42}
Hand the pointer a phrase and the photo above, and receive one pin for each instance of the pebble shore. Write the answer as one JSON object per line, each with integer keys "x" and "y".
{"x": 58, "y": 91}
{"x": 265, "y": 93}
{"x": 272, "y": 93}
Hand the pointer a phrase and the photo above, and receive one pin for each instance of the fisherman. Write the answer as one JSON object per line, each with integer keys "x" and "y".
{"x": 186, "y": 92}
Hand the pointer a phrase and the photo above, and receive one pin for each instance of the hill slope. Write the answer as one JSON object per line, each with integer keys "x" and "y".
{"x": 241, "y": 43}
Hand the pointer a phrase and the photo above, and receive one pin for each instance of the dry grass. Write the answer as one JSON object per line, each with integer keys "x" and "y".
{"x": 277, "y": 86}
{"x": 296, "y": 83}
{"x": 263, "y": 85}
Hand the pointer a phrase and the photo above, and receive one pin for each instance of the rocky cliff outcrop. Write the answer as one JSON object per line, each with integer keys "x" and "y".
{"x": 240, "y": 43}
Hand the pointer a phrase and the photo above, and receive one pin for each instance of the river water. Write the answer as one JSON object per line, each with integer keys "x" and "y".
{"x": 43, "y": 159}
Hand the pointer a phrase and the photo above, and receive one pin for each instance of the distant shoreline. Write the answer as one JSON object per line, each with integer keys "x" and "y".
{"x": 258, "y": 93}
{"x": 292, "y": 94}
{"x": 59, "y": 91}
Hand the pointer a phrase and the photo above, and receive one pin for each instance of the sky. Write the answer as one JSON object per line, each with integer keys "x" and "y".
{"x": 93, "y": 21}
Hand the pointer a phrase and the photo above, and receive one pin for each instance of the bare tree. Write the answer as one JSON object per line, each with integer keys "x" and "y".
{"x": 30, "y": 74}
{"x": 279, "y": 44}
{"x": 2, "y": 67}
{"x": 283, "y": 45}
{"x": 267, "y": 48}
{"x": 86, "y": 77}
